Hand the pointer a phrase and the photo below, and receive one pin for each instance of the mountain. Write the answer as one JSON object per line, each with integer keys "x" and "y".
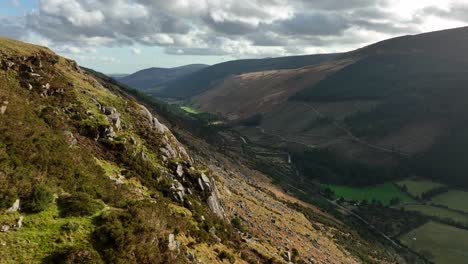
{"x": 369, "y": 105}
{"x": 91, "y": 173}
{"x": 207, "y": 78}
{"x": 153, "y": 80}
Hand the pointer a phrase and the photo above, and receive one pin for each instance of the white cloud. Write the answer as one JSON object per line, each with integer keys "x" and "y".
{"x": 136, "y": 51}
{"x": 232, "y": 27}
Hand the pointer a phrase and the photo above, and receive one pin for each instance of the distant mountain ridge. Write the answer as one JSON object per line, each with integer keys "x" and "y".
{"x": 205, "y": 79}
{"x": 152, "y": 80}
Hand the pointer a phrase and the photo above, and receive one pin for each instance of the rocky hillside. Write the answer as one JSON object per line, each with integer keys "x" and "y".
{"x": 90, "y": 175}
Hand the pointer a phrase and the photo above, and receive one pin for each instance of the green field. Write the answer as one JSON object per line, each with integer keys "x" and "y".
{"x": 438, "y": 212}
{"x": 190, "y": 110}
{"x": 439, "y": 243}
{"x": 382, "y": 192}
{"x": 457, "y": 200}
{"x": 416, "y": 187}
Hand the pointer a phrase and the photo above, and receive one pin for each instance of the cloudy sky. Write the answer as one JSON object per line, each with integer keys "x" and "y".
{"x": 122, "y": 36}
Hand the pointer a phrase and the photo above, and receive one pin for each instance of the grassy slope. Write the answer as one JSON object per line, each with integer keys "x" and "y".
{"x": 441, "y": 243}
{"x": 43, "y": 234}
{"x": 453, "y": 199}
{"x": 442, "y": 213}
{"x": 34, "y": 149}
{"x": 140, "y": 212}
{"x": 383, "y": 193}
{"x": 419, "y": 186}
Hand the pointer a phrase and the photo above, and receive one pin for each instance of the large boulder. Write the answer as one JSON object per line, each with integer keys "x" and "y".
{"x": 15, "y": 207}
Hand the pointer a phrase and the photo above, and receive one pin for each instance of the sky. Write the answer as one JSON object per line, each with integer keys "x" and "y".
{"x": 123, "y": 36}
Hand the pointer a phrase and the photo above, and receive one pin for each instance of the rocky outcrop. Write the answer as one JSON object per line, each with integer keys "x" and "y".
{"x": 15, "y": 207}
{"x": 178, "y": 191}
{"x": 171, "y": 148}
{"x": 215, "y": 205}
{"x": 173, "y": 244}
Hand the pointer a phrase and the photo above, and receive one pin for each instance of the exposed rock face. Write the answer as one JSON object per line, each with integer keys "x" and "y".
{"x": 15, "y": 207}
{"x": 213, "y": 201}
{"x": 215, "y": 206}
{"x": 158, "y": 126}
{"x": 205, "y": 183}
{"x": 178, "y": 190}
{"x": 173, "y": 244}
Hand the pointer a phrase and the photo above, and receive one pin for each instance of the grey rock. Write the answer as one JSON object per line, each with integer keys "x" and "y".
{"x": 205, "y": 183}
{"x": 9, "y": 64}
{"x": 3, "y": 109}
{"x": 109, "y": 110}
{"x": 215, "y": 206}
{"x": 146, "y": 113}
{"x": 173, "y": 244}
{"x": 180, "y": 170}
{"x": 115, "y": 119}
{"x": 178, "y": 191}
{"x": 200, "y": 183}
{"x": 144, "y": 156}
{"x": 34, "y": 74}
{"x": 19, "y": 223}
{"x": 15, "y": 207}
{"x": 109, "y": 132}
{"x": 158, "y": 126}
{"x": 4, "y": 228}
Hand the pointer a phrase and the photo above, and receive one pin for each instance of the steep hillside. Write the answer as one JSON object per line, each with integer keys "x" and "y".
{"x": 208, "y": 77}
{"x": 90, "y": 175}
{"x": 420, "y": 82}
{"x": 368, "y": 105}
{"x": 153, "y": 80}
{"x": 244, "y": 95}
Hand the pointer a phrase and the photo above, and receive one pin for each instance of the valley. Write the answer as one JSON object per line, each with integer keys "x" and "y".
{"x": 387, "y": 141}
{"x": 233, "y": 132}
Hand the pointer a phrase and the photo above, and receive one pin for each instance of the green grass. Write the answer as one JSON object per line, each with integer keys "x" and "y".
{"x": 453, "y": 199}
{"x": 190, "y": 110}
{"x": 382, "y": 192}
{"x": 438, "y": 212}
{"x": 41, "y": 235}
{"x": 416, "y": 187}
{"x": 439, "y": 243}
